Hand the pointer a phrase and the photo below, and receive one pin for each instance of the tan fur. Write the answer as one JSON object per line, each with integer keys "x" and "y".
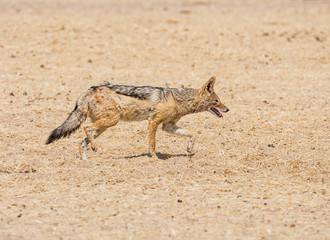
{"x": 106, "y": 108}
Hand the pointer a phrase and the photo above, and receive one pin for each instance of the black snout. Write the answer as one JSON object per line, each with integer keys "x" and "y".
{"x": 225, "y": 110}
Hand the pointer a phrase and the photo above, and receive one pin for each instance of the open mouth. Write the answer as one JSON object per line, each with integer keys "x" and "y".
{"x": 215, "y": 111}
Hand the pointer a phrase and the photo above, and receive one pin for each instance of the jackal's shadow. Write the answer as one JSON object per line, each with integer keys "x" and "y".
{"x": 162, "y": 156}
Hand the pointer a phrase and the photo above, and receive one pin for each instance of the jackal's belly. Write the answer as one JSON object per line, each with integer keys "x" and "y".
{"x": 135, "y": 114}
{"x": 136, "y": 110}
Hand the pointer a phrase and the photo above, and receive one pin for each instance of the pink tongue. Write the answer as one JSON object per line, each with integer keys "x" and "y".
{"x": 219, "y": 113}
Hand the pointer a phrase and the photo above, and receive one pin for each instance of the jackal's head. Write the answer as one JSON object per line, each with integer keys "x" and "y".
{"x": 209, "y": 100}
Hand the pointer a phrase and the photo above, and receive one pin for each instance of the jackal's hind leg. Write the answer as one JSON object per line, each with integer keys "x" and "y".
{"x": 92, "y": 133}
{"x": 94, "y": 130}
{"x": 83, "y": 145}
{"x": 172, "y": 128}
{"x": 82, "y": 148}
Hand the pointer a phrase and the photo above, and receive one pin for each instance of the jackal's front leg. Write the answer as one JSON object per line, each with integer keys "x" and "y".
{"x": 174, "y": 129}
{"x": 153, "y": 125}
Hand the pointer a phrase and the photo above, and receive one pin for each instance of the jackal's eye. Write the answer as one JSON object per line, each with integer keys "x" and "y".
{"x": 217, "y": 100}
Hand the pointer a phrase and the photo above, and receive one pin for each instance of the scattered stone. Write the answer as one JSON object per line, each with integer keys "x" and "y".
{"x": 320, "y": 38}
{"x": 179, "y": 201}
{"x": 185, "y": 12}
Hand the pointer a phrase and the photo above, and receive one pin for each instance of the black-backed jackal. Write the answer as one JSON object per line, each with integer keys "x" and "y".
{"x": 107, "y": 104}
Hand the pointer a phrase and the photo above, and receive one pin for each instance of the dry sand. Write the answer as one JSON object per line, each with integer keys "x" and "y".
{"x": 261, "y": 172}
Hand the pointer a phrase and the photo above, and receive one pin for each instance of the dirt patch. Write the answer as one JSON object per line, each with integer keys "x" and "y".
{"x": 261, "y": 172}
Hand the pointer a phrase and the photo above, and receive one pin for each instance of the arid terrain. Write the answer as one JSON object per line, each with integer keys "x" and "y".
{"x": 261, "y": 172}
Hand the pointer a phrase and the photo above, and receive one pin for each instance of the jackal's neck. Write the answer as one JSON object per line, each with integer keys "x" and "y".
{"x": 187, "y": 100}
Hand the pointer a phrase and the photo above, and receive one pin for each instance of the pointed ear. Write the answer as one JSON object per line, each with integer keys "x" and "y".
{"x": 208, "y": 87}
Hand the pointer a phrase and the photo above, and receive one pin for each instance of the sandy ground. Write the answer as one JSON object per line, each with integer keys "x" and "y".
{"x": 261, "y": 172}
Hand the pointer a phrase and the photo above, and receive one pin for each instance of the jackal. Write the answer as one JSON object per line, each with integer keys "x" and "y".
{"x": 107, "y": 104}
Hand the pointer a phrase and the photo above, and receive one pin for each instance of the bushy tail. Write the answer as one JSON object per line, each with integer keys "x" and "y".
{"x": 71, "y": 124}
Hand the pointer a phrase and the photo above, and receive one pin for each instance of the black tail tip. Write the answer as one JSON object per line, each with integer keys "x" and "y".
{"x": 49, "y": 141}
{"x": 51, "y": 138}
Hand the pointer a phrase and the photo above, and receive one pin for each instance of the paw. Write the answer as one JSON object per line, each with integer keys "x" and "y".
{"x": 152, "y": 154}
{"x": 189, "y": 149}
{"x": 191, "y": 145}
